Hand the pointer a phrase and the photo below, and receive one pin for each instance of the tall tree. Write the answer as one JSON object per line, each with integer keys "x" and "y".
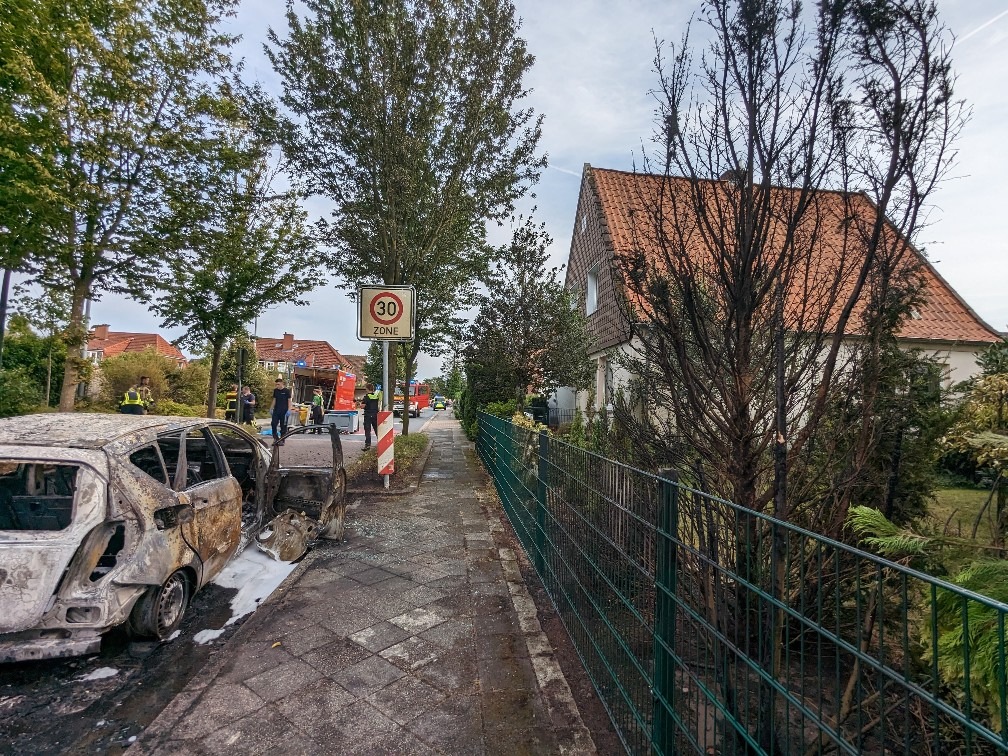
{"x": 138, "y": 87}
{"x": 529, "y": 334}
{"x": 33, "y": 66}
{"x": 793, "y": 167}
{"x": 242, "y": 247}
{"x": 409, "y": 117}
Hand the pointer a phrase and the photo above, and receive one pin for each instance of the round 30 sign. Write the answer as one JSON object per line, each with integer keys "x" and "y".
{"x": 385, "y": 313}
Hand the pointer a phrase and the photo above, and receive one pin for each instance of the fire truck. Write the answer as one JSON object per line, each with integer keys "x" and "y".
{"x": 419, "y": 398}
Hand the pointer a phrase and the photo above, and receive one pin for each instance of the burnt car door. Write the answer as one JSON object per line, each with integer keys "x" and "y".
{"x": 308, "y": 494}
{"x": 248, "y": 461}
{"x": 199, "y": 470}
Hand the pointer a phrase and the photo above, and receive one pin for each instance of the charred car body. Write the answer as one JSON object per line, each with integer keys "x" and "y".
{"x": 106, "y": 519}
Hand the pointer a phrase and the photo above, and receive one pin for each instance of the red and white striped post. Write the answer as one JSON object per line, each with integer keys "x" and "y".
{"x": 386, "y": 446}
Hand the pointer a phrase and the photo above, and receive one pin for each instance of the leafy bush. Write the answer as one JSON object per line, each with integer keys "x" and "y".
{"x": 19, "y": 393}
{"x": 120, "y": 372}
{"x": 505, "y": 410}
{"x": 177, "y": 409}
{"x": 190, "y": 384}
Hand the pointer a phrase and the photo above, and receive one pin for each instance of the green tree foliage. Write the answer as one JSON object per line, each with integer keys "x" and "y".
{"x": 409, "y": 117}
{"x": 19, "y": 392}
{"x": 40, "y": 358}
{"x": 188, "y": 385}
{"x": 529, "y": 335}
{"x": 135, "y": 88}
{"x": 978, "y": 439}
{"x": 34, "y": 67}
{"x": 242, "y": 245}
{"x": 254, "y": 375}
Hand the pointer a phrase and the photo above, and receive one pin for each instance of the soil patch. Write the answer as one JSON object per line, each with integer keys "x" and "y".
{"x": 411, "y": 453}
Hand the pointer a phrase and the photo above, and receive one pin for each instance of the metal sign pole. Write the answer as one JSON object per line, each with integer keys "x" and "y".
{"x": 385, "y": 393}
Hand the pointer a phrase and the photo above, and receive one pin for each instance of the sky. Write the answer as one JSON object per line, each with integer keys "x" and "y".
{"x": 591, "y": 81}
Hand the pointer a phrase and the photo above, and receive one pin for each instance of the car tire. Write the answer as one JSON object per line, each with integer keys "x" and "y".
{"x": 160, "y": 610}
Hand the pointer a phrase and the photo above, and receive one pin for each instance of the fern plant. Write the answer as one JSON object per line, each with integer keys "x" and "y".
{"x": 971, "y": 634}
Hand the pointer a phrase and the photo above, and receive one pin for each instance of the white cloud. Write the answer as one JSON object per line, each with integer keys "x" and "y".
{"x": 591, "y": 79}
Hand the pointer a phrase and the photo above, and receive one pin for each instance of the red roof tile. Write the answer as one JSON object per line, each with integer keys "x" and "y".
{"x": 314, "y": 353}
{"x": 625, "y": 198}
{"x": 118, "y": 342}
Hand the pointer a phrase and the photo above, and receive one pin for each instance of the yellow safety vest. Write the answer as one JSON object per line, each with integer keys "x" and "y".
{"x": 132, "y": 397}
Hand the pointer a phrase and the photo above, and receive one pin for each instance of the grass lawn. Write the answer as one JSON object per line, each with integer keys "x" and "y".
{"x": 962, "y": 506}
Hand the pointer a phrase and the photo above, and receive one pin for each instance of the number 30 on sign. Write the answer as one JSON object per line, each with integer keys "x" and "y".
{"x": 385, "y": 313}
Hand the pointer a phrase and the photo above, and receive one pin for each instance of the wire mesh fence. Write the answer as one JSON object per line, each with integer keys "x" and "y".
{"x": 712, "y": 629}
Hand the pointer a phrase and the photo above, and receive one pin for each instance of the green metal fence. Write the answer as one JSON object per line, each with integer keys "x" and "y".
{"x": 712, "y": 629}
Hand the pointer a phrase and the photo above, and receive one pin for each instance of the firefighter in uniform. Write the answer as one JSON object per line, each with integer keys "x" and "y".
{"x": 132, "y": 402}
{"x": 371, "y": 402}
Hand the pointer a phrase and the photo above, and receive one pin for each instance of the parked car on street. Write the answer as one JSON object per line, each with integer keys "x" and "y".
{"x": 440, "y": 403}
{"x": 108, "y": 519}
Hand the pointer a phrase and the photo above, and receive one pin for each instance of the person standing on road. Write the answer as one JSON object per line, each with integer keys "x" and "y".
{"x": 248, "y": 405}
{"x": 371, "y": 402}
{"x": 279, "y": 408}
{"x": 316, "y": 409}
{"x": 132, "y": 402}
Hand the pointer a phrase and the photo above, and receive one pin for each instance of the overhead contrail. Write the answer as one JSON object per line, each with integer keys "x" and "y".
{"x": 983, "y": 26}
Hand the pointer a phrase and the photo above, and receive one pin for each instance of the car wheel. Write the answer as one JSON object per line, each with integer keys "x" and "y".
{"x": 159, "y": 611}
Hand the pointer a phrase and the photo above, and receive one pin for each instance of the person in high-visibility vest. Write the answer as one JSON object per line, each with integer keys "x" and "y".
{"x": 132, "y": 402}
{"x": 317, "y": 412}
{"x": 372, "y": 400}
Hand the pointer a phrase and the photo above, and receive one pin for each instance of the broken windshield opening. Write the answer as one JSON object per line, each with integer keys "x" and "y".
{"x": 36, "y": 495}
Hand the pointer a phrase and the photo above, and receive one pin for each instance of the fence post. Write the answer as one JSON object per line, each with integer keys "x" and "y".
{"x": 663, "y": 727}
{"x": 540, "y": 514}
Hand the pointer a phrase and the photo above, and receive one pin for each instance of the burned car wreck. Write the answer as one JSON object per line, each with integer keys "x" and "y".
{"x": 108, "y": 519}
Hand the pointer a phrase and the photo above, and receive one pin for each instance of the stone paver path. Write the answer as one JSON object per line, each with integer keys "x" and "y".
{"x": 414, "y": 636}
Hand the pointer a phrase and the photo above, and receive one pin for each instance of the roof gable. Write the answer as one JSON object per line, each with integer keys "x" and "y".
{"x": 313, "y": 352}
{"x": 118, "y": 342}
{"x": 625, "y": 198}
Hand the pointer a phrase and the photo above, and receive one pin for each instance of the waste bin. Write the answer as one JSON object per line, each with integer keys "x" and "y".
{"x": 346, "y": 421}
{"x": 539, "y": 410}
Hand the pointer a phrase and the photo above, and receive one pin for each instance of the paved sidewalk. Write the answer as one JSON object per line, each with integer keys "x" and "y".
{"x": 414, "y": 636}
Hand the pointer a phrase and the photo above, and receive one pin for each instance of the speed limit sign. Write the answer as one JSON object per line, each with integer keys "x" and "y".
{"x": 385, "y": 313}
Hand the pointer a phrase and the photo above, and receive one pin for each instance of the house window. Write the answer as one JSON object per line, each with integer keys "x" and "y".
{"x": 591, "y": 291}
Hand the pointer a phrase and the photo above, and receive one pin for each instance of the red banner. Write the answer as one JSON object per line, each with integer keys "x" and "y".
{"x": 345, "y": 383}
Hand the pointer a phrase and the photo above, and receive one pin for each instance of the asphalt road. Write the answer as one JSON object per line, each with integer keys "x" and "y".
{"x": 96, "y": 704}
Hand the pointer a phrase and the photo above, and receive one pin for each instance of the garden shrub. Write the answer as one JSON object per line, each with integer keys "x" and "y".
{"x": 19, "y": 393}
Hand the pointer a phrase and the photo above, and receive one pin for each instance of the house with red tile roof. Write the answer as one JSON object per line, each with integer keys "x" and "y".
{"x": 306, "y": 363}
{"x": 104, "y": 343}
{"x": 614, "y": 224}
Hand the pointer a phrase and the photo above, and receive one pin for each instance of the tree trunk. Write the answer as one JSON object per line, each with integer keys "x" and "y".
{"x": 214, "y": 377}
{"x": 3, "y": 310}
{"x": 407, "y": 376}
{"x": 48, "y": 379}
{"x": 75, "y": 339}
